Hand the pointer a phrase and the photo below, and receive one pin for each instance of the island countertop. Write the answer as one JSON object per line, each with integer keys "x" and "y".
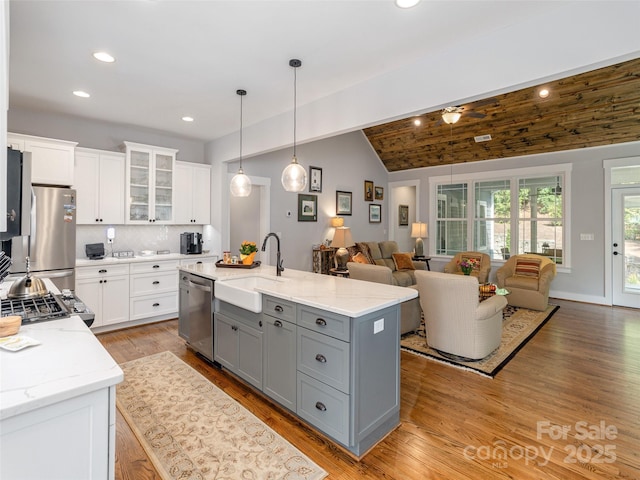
{"x": 344, "y": 296}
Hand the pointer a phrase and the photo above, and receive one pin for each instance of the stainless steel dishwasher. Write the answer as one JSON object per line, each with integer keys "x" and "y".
{"x": 195, "y": 320}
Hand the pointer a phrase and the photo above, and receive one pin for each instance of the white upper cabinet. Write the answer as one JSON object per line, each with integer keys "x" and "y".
{"x": 99, "y": 183}
{"x": 150, "y": 176}
{"x": 52, "y": 160}
{"x": 193, "y": 193}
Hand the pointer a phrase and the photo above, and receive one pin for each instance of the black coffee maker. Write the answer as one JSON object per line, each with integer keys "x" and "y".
{"x": 190, "y": 243}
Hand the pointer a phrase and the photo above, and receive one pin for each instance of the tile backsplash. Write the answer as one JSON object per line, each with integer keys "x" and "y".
{"x": 137, "y": 237}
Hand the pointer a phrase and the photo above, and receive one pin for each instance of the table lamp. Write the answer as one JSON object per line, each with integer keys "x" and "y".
{"x": 341, "y": 239}
{"x": 419, "y": 231}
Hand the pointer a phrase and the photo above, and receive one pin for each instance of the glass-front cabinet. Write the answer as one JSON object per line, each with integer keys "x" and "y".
{"x": 150, "y": 183}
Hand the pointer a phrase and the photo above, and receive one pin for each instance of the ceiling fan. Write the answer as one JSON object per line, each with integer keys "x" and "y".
{"x": 452, "y": 114}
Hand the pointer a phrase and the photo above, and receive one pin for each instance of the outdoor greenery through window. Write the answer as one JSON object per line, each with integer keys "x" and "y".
{"x": 505, "y": 216}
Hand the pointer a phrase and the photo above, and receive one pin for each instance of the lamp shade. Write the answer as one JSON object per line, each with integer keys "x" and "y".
{"x": 337, "y": 222}
{"x": 240, "y": 184}
{"x": 342, "y": 238}
{"x": 419, "y": 230}
{"x": 294, "y": 177}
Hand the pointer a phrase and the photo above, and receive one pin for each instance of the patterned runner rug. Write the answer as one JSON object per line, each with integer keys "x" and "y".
{"x": 519, "y": 325}
{"x": 193, "y": 430}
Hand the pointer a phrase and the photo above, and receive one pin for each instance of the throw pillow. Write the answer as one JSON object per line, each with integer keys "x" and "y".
{"x": 366, "y": 251}
{"x": 527, "y": 267}
{"x": 360, "y": 258}
{"x": 403, "y": 261}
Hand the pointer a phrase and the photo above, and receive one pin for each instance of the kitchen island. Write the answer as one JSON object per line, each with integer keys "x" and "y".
{"x": 326, "y": 348}
{"x": 57, "y": 404}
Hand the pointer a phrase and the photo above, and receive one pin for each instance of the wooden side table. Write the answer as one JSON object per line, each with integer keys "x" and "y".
{"x": 339, "y": 273}
{"x": 422, "y": 259}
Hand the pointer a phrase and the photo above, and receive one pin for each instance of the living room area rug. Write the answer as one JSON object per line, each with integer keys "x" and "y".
{"x": 193, "y": 430}
{"x": 519, "y": 325}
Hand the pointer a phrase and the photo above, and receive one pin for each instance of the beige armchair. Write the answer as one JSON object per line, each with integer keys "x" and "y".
{"x": 410, "y": 312}
{"x": 528, "y": 278}
{"x": 483, "y": 270}
{"x": 457, "y": 323}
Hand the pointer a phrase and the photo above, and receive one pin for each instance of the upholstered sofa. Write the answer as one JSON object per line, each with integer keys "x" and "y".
{"x": 410, "y": 311}
{"x": 382, "y": 254}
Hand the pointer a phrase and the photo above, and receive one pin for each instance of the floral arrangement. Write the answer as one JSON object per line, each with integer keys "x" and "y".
{"x": 247, "y": 247}
{"x": 468, "y": 264}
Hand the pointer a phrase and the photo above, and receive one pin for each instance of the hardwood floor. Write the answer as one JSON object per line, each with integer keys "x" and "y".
{"x": 581, "y": 371}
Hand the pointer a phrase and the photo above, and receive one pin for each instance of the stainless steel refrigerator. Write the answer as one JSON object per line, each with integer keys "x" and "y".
{"x": 51, "y": 245}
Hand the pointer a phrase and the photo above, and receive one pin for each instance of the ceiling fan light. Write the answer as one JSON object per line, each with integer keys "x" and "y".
{"x": 451, "y": 117}
{"x": 294, "y": 177}
{"x": 240, "y": 184}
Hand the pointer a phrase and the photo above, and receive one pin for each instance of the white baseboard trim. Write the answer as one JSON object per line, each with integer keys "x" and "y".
{"x": 577, "y": 297}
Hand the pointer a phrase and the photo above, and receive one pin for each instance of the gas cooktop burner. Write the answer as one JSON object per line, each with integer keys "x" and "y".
{"x": 46, "y": 307}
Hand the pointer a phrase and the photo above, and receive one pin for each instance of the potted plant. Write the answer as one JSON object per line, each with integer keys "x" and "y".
{"x": 248, "y": 252}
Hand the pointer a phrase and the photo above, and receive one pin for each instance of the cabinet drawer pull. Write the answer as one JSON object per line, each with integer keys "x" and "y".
{"x": 277, "y": 323}
{"x": 321, "y": 358}
{"x": 102, "y": 271}
{"x": 156, "y": 266}
{"x": 156, "y": 304}
{"x": 156, "y": 282}
{"x": 321, "y": 406}
{"x": 321, "y": 321}
{"x": 278, "y": 309}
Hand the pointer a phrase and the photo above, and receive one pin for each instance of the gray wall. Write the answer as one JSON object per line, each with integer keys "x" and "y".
{"x": 346, "y": 161}
{"x": 98, "y": 134}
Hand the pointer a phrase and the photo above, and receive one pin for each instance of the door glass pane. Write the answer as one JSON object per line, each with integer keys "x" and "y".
{"x": 632, "y": 242}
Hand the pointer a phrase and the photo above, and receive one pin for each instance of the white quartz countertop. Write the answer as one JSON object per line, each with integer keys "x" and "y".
{"x": 344, "y": 296}
{"x": 70, "y": 361}
{"x": 108, "y": 260}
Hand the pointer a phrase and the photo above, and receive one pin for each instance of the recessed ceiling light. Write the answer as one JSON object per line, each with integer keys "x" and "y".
{"x": 80, "y": 93}
{"x": 417, "y": 122}
{"x": 407, "y": 3}
{"x": 104, "y": 57}
{"x": 544, "y": 93}
{"x": 187, "y": 119}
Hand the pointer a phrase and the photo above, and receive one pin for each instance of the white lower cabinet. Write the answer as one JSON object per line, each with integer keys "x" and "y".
{"x": 105, "y": 290}
{"x": 153, "y": 289}
{"x": 73, "y": 438}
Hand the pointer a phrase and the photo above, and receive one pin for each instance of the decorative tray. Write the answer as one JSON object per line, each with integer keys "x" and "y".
{"x": 221, "y": 264}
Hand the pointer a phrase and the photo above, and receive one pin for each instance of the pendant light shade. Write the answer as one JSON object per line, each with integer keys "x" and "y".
{"x": 240, "y": 183}
{"x": 294, "y": 176}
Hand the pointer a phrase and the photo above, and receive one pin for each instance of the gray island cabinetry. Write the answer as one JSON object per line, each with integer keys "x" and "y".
{"x": 325, "y": 348}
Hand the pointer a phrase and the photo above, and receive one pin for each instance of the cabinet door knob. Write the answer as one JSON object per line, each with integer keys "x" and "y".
{"x": 279, "y": 309}
{"x": 277, "y": 323}
{"x": 321, "y": 406}
{"x": 321, "y": 358}
{"x": 321, "y": 321}
{"x": 156, "y": 282}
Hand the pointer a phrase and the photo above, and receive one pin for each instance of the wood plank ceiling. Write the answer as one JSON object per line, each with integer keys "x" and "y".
{"x": 600, "y": 107}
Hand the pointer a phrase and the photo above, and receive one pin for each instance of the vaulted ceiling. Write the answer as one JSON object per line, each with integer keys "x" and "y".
{"x": 600, "y": 107}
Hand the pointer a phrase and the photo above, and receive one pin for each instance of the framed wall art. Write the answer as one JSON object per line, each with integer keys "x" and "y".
{"x": 375, "y": 213}
{"x": 315, "y": 179}
{"x": 343, "y": 203}
{"x": 307, "y": 208}
{"x": 368, "y": 191}
{"x": 379, "y": 193}
{"x": 403, "y": 215}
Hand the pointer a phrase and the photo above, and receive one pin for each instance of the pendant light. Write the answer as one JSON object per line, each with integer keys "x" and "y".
{"x": 240, "y": 183}
{"x": 294, "y": 176}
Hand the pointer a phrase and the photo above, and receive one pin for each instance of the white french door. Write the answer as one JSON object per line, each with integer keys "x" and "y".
{"x": 625, "y": 246}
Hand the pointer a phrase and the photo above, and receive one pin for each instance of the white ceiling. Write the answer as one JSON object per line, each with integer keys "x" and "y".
{"x": 176, "y": 58}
